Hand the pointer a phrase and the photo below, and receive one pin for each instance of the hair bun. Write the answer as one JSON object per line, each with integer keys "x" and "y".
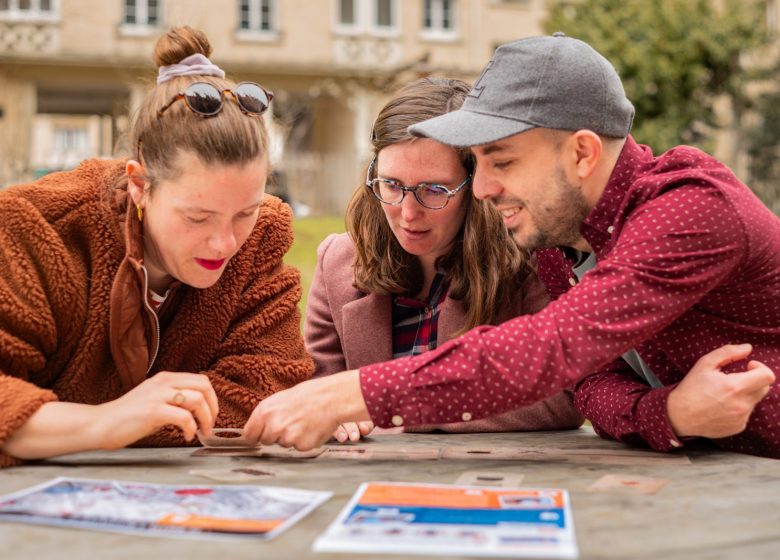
{"x": 178, "y": 44}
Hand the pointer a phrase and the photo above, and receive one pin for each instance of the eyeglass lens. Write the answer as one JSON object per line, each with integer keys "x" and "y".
{"x": 252, "y": 98}
{"x": 432, "y": 196}
{"x": 203, "y": 98}
{"x": 207, "y": 100}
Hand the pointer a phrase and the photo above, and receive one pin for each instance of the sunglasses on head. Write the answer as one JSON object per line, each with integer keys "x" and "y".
{"x": 207, "y": 100}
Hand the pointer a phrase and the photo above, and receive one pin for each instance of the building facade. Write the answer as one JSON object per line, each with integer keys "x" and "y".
{"x": 73, "y": 71}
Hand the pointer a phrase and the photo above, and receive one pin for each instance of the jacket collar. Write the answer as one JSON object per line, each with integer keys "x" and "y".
{"x": 133, "y": 328}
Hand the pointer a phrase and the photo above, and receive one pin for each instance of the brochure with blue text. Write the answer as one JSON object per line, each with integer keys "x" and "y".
{"x": 407, "y": 518}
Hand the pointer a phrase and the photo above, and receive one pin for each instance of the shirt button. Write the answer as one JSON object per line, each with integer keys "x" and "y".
{"x": 674, "y": 443}
{"x": 610, "y": 229}
{"x": 397, "y": 420}
{"x": 466, "y": 416}
{"x": 573, "y": 281}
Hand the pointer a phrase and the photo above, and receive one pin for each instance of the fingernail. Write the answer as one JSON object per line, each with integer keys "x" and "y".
{"x": 354, "y": 434}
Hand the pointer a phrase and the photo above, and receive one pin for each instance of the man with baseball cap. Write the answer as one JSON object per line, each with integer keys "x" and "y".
{"x": 659, "y": 260}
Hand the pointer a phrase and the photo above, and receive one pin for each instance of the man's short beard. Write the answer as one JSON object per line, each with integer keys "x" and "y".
{"x": 558, "y": 225}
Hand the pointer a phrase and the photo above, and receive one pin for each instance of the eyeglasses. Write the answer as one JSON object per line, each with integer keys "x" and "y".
{"x": 207, "y": 100}
{"x": 429, "y": 195}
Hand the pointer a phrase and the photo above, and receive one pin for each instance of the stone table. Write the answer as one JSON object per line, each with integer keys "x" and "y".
{"x": 721, "y": 505}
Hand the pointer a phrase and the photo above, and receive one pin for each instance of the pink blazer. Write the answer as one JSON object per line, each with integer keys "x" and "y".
{"x": 345, "y": 329}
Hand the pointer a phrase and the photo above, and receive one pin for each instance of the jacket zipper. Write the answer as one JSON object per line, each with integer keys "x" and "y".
{"x": 155, "y": 320}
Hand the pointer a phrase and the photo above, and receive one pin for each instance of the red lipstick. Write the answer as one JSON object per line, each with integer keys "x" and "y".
{"x": 210, "y": 264}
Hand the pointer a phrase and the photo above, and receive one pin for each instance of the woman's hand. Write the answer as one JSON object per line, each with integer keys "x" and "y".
{"x": 353, "y": 431}
{"x": 185, "y": 400}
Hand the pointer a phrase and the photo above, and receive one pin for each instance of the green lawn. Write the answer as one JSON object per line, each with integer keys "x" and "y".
{"x": 309, "y": 232}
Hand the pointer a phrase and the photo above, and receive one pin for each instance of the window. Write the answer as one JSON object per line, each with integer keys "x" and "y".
{"x": 142, "y": 12}
{"x": 373, "y": 17}
{"x": 438, "y": 15}
{"x": 347, "y": 12}
{"x": 70, "y": 139}
{"x": 29, "y": 10}
{"x": 258, "y": 15}
{"x": 257, "y": 20}
{"x": 384, "y": 13}
{"x": 439, "y": 20}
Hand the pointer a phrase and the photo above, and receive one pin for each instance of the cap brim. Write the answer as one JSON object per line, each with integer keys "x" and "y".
{"x": 463, "y": 128}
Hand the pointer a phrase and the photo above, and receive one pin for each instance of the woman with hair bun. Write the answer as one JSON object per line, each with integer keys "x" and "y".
{"x": 143, "y": 299}
{"x": 422, "y": 262}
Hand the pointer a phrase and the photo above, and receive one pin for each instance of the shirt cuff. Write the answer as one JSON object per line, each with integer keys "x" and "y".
{"x": 654, "y": 425}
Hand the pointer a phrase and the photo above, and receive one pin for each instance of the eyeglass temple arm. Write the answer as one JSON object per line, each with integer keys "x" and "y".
{"x": 165, "y": 107}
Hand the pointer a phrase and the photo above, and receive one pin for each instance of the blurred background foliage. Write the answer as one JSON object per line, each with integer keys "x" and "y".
{"x": 309, "y": 233}
{"x": 692, "y": 68}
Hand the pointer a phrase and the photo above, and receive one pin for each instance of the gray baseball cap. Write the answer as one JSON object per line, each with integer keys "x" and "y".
{"x": 549, "y": 82}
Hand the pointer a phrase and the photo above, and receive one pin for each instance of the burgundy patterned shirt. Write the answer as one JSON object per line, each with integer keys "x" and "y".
{"x": 688, "y": 260}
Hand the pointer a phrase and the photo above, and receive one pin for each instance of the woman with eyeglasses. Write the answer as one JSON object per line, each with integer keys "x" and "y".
{"x": 422, "y": 262}
{"x": 143, "y": 299}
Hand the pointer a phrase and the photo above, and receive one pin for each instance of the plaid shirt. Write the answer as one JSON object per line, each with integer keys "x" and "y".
{"x": 415, "y": 322}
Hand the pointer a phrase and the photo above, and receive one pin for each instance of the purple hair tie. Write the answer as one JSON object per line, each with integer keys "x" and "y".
{"x": 193, "y": 65}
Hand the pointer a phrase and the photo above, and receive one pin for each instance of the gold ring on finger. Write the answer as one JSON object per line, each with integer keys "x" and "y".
{"x": 179, "y": 398}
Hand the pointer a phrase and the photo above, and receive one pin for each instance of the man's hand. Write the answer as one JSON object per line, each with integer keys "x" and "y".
{"x": 306, "y": 415}
{"x": 352, "y": 431}
{"x": 713, "y": 404}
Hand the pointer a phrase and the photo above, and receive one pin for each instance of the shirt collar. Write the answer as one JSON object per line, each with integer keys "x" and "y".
{"x": 596, "y": 228}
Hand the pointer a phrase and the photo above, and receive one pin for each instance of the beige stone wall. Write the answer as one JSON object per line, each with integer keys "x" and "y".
{"x": 86, "y": 55}
{"x": 17, "y": 99}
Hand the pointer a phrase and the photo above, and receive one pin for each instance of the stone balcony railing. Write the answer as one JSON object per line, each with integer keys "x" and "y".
{"x": 28, "y": 38}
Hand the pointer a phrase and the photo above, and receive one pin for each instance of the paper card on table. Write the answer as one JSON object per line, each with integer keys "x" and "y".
{"x": 375, "y": 452}
{"x": 415, "y": 518}
{"x": 628, "y": 484}
{"x": 591, "y": 456}
{"x": 242, "y": 474}
{"x": 489, "y": 478}
{"x": 214, "y": 512}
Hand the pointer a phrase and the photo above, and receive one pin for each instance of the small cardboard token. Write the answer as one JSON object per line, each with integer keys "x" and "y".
{"x": 489, "y": 478}
{"x": 241, "y": 474}
{"x": 225, "y": 437}
{"x": 266, "y": 451}
{"x": 374, "y": 452}
{"x": 628, "y": 484}
{"x": 279, "y": 452}
{"x": 228, "y": 452}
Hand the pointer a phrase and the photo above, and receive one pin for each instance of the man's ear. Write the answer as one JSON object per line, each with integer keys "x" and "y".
{"x": 137, "y": 184}
{"x": 587, "y": 152}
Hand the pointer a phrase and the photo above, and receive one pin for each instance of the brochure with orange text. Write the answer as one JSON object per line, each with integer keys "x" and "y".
{"x": 399, "y": 518}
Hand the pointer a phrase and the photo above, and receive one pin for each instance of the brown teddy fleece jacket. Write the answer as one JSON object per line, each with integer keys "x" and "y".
{"x": 74, "y": 327}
